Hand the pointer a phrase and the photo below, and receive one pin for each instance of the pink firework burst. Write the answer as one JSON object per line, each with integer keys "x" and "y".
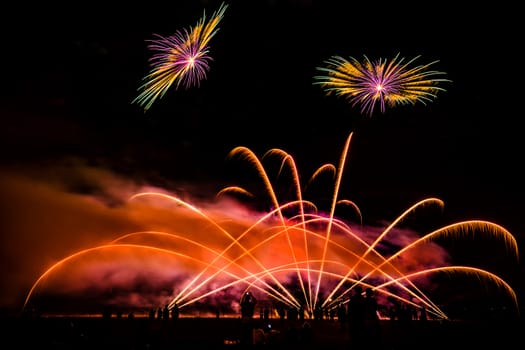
{"x": 182, "y": 58}
{"x": 382, "y": 82}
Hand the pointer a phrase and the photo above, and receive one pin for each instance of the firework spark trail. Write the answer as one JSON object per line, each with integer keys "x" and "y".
{"x": 432, "y": 308}
{"x": 388, "y": 229}
{"x": 238, "y": 279}
{"x": 285, "y": 267}
{"x": 290, "y": 268}
{"x": 254, "y": 160}
{"x": 251, "y": 275}
{"x": 288, "y": 300}
{"x": 265, "y": 272}
{"x": 248, "y": 251}
{"x": 458, "y": 269}
{"x": 332, "y": 250}
{"x": 287, "y": 159}
{"x": 359, "y": 259}
{"x": 234, "y": 189}
{"x": 182, "y": 58}
{"x": 332, "y": 210}
{"x": 457, "y": 228}
{"x": 88, "y": 250}
{"x": 302, "y": 224}
{"x": 370, "y": 247}
{"x": 331, "y": 168}
{"x": 278, "y": 295}
{"x": 235, "y": 241}
{"x": 382, "y": 82}
{"x": 284, "y": 230}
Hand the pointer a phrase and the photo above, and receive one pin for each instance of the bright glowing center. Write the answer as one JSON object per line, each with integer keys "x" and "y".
{"x": 379, "y": 87}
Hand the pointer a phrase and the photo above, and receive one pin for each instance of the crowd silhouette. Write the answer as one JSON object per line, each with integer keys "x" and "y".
{"x": 355, "y": 320}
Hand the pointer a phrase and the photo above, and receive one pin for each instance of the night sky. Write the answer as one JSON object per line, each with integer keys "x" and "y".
{"x": 69, "y": 130}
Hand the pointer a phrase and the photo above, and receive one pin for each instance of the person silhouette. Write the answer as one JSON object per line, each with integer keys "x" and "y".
{"x": 355, "y": 317}
{"x": 166, "y": 313}
{"x": 423, "y": 313}
{"x": 371, "y": 326}
{"x": 175, "y": 312}
{"x": 341, "y": 315}
{"x": 248, "y": 302}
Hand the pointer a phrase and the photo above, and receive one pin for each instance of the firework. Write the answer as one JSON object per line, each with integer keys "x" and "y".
{"x": 382, "y": 82}
{"x": 182, "y": 58}
{"x": 299, "y": 254}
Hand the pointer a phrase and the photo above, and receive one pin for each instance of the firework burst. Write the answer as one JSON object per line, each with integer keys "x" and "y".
{"x": 383, "y": 82}
{"x": 182, "y": 58}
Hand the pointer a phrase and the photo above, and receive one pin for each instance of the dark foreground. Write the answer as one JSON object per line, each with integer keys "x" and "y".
{"x": 144, "y": 333}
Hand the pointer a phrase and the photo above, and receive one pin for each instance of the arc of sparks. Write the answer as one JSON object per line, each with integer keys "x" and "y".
{"x": 254, "y": 160}
{"x": 389, "y": 228}
{"x": 328, "y": 232}
{"x": 235, "y": 241}
{"x": 332, "y": 209}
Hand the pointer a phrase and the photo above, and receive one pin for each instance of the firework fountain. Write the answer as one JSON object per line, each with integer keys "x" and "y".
{"x": 293, "y": 255}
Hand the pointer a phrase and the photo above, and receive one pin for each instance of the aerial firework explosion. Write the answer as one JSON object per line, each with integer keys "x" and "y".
{"x": 382, "y": 82}
{"x": 182, "y": 58}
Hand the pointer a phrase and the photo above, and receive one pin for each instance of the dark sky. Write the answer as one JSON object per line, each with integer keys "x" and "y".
{"x": 70, "y": 74}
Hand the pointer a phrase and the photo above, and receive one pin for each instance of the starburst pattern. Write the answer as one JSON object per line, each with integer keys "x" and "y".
{"x": 382, "y": 82}
{"x": 182, "y": 58}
